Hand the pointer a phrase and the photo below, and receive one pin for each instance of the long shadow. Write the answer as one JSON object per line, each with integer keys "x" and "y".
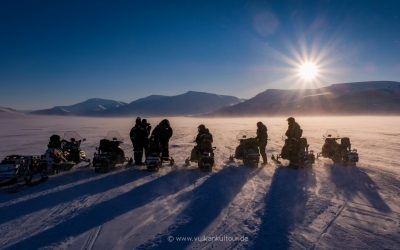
{"x": 88, "y": 188}
{"x": 206, "y": 203}
{"x": 350, "y": 181}
{"x": 285, "y": 207}
{"x": 108, "y": 210}
{"x": 60, "y": 179}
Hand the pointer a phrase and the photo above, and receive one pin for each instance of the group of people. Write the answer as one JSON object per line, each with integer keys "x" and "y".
{"x": 141, "y": 137}
{"x": 143, "y": 140}
{"x": 293, "y": 134}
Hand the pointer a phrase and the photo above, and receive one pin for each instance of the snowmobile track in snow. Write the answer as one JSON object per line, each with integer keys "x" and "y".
{"x": 329, "y": 225}
{"x": 91, "y": 240}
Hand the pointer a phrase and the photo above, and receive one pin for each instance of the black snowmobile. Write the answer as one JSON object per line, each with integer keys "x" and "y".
{"x": 14, "y": 168}
{"x": 109, "y": 153}
{"x": 203, "y": 154}
{"x": 154, "y": 159}
{"x": 247, "y": 151}
{"x": 296, "y": 152}
{"x": 340, "y": 153}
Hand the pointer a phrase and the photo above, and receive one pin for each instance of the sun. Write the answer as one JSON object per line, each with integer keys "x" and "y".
{"x": 308, "y": 71}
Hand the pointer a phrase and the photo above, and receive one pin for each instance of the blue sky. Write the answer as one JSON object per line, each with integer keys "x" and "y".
{"x": 62, "y": 52}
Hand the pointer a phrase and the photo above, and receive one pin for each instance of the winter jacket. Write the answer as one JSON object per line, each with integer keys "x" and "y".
{"x": 203, "y": 134}
{"x": 162, "y": 133}
{"x": 147, "y": 126}
{"x": 262, "y": 134}
{"x": 294, "y": 131}
{"x": 138, "y": 135}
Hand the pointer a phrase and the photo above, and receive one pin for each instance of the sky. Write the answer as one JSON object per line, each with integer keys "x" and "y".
{"x": 63, "y": 52}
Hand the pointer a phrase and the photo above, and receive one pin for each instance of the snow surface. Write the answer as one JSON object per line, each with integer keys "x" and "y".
{"x": 323, "y": 207}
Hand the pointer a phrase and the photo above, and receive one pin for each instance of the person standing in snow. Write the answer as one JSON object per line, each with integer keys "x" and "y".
{"x": 163, "y": 133}
{"x": 262, "y": 139}
{"x": 147, "y": 128}
{"x": 138, "y": 138}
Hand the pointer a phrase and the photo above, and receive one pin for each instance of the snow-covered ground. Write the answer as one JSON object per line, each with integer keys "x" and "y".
{"x": 234, "y": 207}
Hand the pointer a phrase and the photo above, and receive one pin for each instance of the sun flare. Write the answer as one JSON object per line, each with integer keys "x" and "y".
{"x": 308, "y": 71}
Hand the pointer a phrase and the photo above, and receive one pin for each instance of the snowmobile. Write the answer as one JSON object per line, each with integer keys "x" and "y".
{"x": 55, "y": 157}
{"x": 340, "y": 153}
{"x": 14, "y": 168}
{"x": 297, "y": 152}
{"x": 154, "y": 159}
{"x": 64, "y": 154}
{"x": 70, "y": 146}
{"x": 247, "y": 151}
{"x": 203, "y": 154}
{"x": 109, "y": 153}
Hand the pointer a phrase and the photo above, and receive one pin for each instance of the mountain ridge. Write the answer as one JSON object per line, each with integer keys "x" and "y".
{"x": 188, "y": 103}
{"x": 86, "y": 108}
{"x": 373, "y": 97}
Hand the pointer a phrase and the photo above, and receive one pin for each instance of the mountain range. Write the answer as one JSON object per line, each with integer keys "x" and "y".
{"x": 363, "y": 98}
{"x": 189, "y": 103}
{"x": 90, "y": 107}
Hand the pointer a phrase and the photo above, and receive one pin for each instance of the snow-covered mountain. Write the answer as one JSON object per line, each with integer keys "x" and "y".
{"x": 90, "y": 107}
{"x": 189, "y": 103}
{"x": 381, "y": 97}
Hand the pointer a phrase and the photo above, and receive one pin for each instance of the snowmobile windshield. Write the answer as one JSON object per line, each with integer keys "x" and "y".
{"x": 114, "y": 136}
{"x": 331, "y": 133}
{"x": 245, "y": 134}
{"x": 72, "y": 135}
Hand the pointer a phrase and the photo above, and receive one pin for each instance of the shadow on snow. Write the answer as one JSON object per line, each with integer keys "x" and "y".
{"x": 206, "y": 203}
{"x": 285, "y": 207}
{"x": 61, "y": 179}
{"x": 91, "y": 187}
{"x": 108, "y": 210}
{"x": 351, "y": 181}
